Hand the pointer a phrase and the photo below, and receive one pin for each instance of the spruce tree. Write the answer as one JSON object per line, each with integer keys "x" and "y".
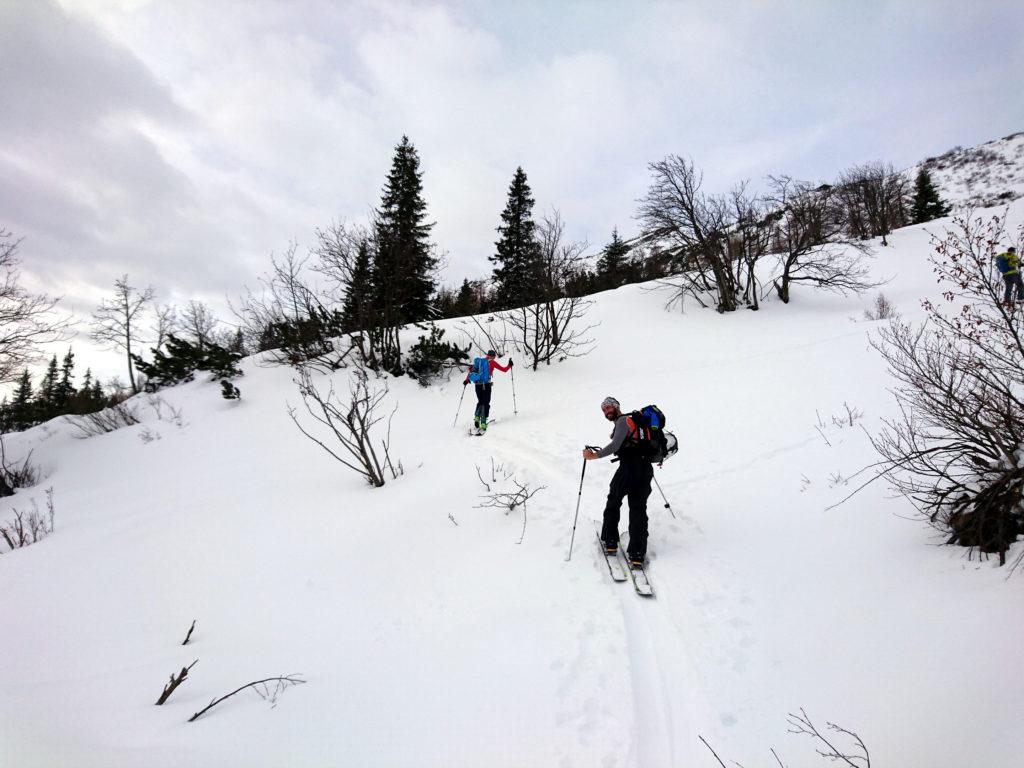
{"x": 46, "y": 399}
{"x": 22, "y": 408}
{"x": 357, "y": 310}
{"x": 927, "y": 204}
{"x": 64, "y": 391}
{"x": 518, "y": 270}
{"x": 465, "y": 302}
{"x": 403, "y": 261}
{"x": 612, "y": 266}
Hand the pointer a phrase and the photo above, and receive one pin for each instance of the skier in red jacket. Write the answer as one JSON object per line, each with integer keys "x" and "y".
{"x": 483, "y": 388}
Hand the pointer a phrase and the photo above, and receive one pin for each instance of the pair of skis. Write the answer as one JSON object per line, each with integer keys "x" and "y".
{"x": 618, "y": 571}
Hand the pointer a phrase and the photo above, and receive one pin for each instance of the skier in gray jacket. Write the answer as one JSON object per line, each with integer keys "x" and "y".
{"x": 632, "y": 481}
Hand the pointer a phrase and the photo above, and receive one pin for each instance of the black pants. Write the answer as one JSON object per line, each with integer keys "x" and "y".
{"x": 483, "y": 401}
{"x": 632, "y": 481}
{"x": 1014, "y": 285}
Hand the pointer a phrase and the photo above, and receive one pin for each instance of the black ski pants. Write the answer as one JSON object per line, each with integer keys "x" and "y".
{"x": 632, "y": 481}
{"x": 483, "y": 401}
{"x": 1014, "y": 287}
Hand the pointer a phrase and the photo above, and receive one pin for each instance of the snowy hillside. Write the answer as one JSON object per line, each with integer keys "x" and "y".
{"x": 430, "y": 636}
{"x": 990, "y": 174}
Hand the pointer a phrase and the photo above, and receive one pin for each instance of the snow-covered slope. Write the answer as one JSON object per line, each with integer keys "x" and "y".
{"x": 430, "y": 637}
{"x": 990, "y": 174}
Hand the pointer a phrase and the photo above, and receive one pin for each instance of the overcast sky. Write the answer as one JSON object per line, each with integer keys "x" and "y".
{"x": 183, "y": 141}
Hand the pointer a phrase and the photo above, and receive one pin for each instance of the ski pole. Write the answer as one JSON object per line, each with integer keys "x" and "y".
{"x": 515, "y": 412}
{"x": 577, "y": 516}
{"x": 667, "y": 505}
{"x": 460, "y": 405}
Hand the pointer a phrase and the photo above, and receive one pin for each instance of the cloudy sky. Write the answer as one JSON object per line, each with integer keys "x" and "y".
{"x": 184, "y": 141}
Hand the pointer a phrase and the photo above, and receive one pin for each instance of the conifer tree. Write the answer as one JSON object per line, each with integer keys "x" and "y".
{"x": 356, "y": 314}
{"x": 22, "y": 408}
{"x": 465, "y": 302}
{"x": 927, "y": 204}
{"x": 612, "y": 266}
{"x": 403, "y": 265}
{"x": 46, "y": 399}
{"x": 518, "y": 270}
{"x": 64, "y": 391}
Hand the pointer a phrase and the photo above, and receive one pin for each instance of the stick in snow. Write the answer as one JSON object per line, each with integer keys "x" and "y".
{"x": 283, "y": 679}
{"x": 175, "y": 682}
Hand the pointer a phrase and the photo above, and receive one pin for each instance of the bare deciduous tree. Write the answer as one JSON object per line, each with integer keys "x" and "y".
{"x": 27, "y": 320}
{"x": 874, "y": 199}
{"x": 198, "y": 323}
{"x": 116, "y": 322}
{"x": 165, "y": 323}
{"x": 552, "y": 328}
{"x": 692, "y": 227}
{"x": 810, "y": 235}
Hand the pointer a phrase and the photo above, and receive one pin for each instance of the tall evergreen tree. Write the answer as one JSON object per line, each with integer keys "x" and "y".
{"x": 927, "y": 204}
{"x": 518, "y": 270}
{"x": 612, "y": 266}
{"x": 46, "y": 398}
{"x": 64, "y": 391}
{"x": 404, "y": 265}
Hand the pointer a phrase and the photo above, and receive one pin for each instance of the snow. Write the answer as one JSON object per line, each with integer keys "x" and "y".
{"x": 429, "y": 637}
{"x": 990, "y": 174}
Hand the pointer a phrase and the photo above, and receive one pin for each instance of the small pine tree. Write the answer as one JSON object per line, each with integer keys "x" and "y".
{"x": 466, "y": 301}
{"x": 429, "y": 356}
{"x": 237, "y": 343}
{"x": 518, "y": 271}
{"x": 356, "y": 314}
{"x": 182, "y": 359}
{"x": 927, "y": 204}
{"x": 613, "y": 266}
{"x": 22, "y": 408}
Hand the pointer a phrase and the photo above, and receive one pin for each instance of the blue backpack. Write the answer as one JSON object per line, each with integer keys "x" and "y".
{"x": 1002, "y": 263}
{"x": 481, "y": 371}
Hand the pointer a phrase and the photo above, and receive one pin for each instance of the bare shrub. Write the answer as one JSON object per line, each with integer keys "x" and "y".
{"x": 506, "y": 493}
{"x": 351, "y": 422}
{"x": 13, "y": 476}
{"x": 29, "y": 527}
{"x": 955, "y": 450}
{"x": 882, "y": 309}
{"x": 836, "y": 744}
{"x": 108, "y": 420}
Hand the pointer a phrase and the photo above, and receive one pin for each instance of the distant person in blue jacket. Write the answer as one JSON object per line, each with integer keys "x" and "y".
{"x": 1009, "y": 265}
{"x": 481, "y": 374}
